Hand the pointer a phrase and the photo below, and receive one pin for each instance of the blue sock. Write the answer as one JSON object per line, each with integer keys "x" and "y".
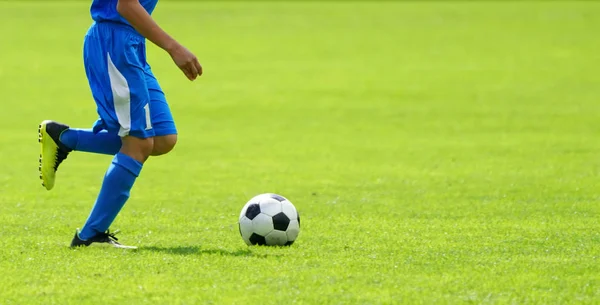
{"x": 88, "y": 141}
{"x": 118, "y": 181}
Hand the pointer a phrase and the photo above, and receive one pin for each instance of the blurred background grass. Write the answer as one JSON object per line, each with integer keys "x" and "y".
{"x": 452, "y": 145}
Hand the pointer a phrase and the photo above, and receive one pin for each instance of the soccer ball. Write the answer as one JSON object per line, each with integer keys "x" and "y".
{"x": 269, "y": 219}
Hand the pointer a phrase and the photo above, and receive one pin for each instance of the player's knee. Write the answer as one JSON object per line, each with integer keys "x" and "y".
{"x": 137, "y": 148}
{"x": 145, "y": 147}
{"x": 164, "y": 144}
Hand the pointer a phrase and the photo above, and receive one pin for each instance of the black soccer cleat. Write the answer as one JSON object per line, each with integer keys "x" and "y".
{"x": 106, "y": 238}
{"x": 53, "y": 152}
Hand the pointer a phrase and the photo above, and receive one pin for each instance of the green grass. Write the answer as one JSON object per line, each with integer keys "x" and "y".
{"x": 439, "y": 152}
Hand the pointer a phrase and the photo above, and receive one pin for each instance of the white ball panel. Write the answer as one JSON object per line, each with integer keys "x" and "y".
{"x": 245, "y": 227}
{"x": 270, "y": 206}
{"x": 276, "y": 238}
{"x": 293, "y": 230}
{"x": 289, "y": 209}
{"x": 262, "y": 224}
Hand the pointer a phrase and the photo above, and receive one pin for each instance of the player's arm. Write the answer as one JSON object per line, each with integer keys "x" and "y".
{"x": 137, "y": 16}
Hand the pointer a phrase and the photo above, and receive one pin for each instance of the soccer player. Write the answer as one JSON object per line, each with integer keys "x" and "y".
{"x": 135, "y": 121}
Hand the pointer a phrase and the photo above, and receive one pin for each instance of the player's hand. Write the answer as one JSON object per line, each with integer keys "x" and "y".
{"x": 186, "y": 61}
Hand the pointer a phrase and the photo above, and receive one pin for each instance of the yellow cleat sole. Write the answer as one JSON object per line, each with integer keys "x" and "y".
{"x": 47, "y": 160}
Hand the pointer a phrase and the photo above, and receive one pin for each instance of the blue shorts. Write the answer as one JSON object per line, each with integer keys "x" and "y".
{"x": 128, "y": 97}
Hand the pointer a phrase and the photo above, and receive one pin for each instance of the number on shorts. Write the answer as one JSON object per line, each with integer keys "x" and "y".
{"x": 148, "y": 121}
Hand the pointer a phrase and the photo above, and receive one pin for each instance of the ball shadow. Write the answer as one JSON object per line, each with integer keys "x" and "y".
{"x": 197, "y": 250}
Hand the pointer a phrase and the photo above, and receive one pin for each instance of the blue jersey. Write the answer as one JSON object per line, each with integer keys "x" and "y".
{"x": 106, "y": 10}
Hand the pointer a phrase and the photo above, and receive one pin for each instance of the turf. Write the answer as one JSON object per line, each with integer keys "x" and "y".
{"x": 439, "y": 152}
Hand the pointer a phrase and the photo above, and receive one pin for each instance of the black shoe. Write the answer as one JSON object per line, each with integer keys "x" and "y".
{"x": 106, "y": 238}
{"x": 53, "y": 151}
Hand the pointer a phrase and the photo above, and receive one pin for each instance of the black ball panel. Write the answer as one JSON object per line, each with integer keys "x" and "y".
{"x": 281, "y": 222}
{"x": 252, "y": 211}
{"x": 278, "y": 197}
{"x": 256, "y": 239}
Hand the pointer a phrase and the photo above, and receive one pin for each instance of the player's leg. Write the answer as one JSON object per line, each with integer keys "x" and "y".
{"x": 58, "y": 140}
{"x": 116, "y": 186}
{"x": 124, "y": 112}
{"x": 86, "y": 140}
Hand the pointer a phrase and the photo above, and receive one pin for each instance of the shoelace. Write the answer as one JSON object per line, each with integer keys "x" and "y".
{"x": 108, "y": 235}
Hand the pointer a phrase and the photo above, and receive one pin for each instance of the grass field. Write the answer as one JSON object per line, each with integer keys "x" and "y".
{"x": 439, "y": 153}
